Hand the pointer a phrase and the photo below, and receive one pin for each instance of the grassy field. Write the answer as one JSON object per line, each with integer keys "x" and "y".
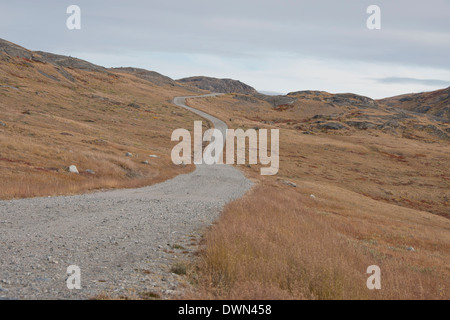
{"x": 51, "y": 123}
{"x": 378, "y": 199}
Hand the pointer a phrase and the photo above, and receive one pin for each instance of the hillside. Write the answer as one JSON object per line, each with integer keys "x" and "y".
{"x": 435, "y": 103}
{"x": 218, "y": 85}
{"x": 58, "y": 111}
{"x": 360, "y": 184}
{"x": 151, "y": 76}
{"x": 352, "y": 142}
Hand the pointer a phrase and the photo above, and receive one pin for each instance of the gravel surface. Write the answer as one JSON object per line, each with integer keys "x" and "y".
{"x": 124, "y": 241}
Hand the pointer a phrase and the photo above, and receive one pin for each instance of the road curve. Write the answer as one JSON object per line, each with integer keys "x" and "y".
{"x": 217, "y": 123}
{"x": 122, "y": 240}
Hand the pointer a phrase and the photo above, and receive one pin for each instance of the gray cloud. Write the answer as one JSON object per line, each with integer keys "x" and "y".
{"x": 414, "y": 33}
{"x": 427, "y": 82}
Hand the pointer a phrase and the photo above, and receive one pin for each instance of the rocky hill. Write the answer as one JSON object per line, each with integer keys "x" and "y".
{"x": 218, "y": 85}
{"x": 435, "y": 103}
{"x": 151, "y": 76}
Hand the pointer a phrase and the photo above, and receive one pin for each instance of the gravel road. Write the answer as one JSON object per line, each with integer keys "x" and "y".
{"x": 124, "y": 241}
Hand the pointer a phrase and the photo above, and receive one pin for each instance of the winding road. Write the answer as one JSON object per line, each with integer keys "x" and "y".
{"x": 123, "y": 241}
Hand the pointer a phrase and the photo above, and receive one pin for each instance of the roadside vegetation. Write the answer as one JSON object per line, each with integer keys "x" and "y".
{"x": 362, "y": 198}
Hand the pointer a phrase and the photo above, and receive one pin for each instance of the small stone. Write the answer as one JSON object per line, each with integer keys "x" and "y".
{"x": 2, "y": 124}
{"x": 313, "y": 197}
{"x": 128, "y": 154}
{"x": 90, "y": 171}
{"x": 153, "y": 156}
{"x": 51, "y": 260}
{"x": 290, "y": 184}
{"x": 145, "y": 162}
{"x": 73, "y": 169}
{"x": 411, "y": 249}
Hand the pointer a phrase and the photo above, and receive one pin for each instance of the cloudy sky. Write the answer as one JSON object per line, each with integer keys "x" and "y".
{"x": 273, "y": 45}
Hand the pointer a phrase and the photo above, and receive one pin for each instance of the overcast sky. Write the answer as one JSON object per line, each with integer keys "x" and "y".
{"x": 272, "y": 45}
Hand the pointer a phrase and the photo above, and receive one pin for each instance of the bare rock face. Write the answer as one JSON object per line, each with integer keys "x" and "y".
{"x": 351, "y": 99}
{"x": 13, "y": 50}
{"x": 69, "y": 62}
{"x": 218, "y": 85}
{"x": 362, "y": 125}
{"x": 331, "y": 126}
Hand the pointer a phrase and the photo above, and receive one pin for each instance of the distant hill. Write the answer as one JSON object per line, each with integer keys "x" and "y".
{"x": 311, "y": 112}
{"x": 436, "y": 103}
{"x": 218, "y": 85}
{"x": 335, "y": 100}
{"x": 151, "y": 76}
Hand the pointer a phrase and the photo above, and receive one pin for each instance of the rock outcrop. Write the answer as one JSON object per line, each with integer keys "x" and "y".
{"x": 218, "y": 85}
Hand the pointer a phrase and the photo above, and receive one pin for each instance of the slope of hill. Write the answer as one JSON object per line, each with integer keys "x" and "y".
{"x": 58, "y": 111}
{"x": 328, "y": 120}
{"x": 435, "y": 103}
{"x": 151, "y": 76}
{"x": 359, "y": 184}
{"x": 317, "y": 111}
{"x": 218, "y": 85}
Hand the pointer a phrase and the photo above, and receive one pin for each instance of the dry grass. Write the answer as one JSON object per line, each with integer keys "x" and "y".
{"x": 390, "y": 168}
{"x": 91, "y": 123}
{"x": 287, "y": 246}
{"x": 376, "y": 196}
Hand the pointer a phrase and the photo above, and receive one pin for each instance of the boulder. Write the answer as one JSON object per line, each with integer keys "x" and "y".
{"x": 73, "y": 169}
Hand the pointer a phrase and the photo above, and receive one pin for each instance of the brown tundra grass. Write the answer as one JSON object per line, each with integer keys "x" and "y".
{"x": 278, "y": 244}
{"x": 90, "y": 123}
{"x": 376, "y": 196}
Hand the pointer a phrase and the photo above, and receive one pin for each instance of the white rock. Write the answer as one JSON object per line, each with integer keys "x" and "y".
{"x": 73, "y": 169}
{"x": 313, "y": 196}
{"x": 154, "y": 156}
{"x": 128, "y": 154}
